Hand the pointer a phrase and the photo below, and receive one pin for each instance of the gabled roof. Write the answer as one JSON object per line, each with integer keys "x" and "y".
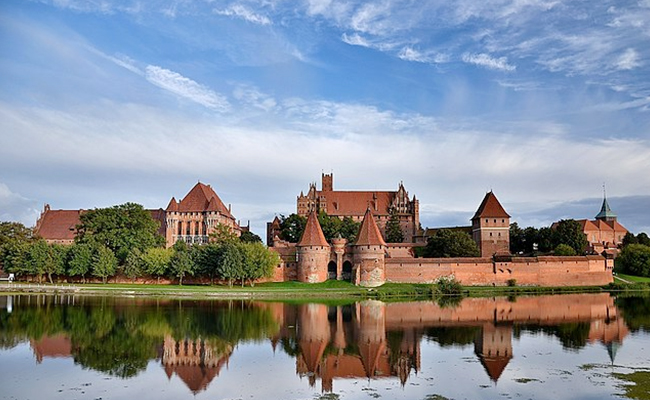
{"x": 587, "y": 225}
{"x": 605, "y": 211}
{"x": 201, "y": 198}
{"x": 369, "y": 234}
{"x": 490, "y": 208}
{"x": 313, "y": 233}
{"x": 58, "y": 224}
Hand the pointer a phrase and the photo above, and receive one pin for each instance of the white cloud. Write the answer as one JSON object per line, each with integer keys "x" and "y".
{"x": 243, "y": 12}
{"x": 186, "y": 88}
{"x": 628, "y": 60}
{"x": 487, "y": 61}
{"x": 408, "y": 53}
{"x": 251, "y": 95}
{"x": 355, "y": 40}
{"x": 14, "y": 207}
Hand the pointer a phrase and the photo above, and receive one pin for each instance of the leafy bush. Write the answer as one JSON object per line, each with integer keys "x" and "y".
{"x": 448, "y": 285}
{"x": 564, "y": 250}
{"x": 512, "y": 282}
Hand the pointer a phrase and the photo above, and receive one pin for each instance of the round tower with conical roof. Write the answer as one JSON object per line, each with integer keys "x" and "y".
{"x": 369, "y": 253}
{"x": 312, "y": 252}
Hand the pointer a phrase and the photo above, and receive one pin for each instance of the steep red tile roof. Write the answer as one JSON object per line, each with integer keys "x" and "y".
{"x": 494, "y": 365}
{"x": 173, "y": 205}
{"x": 313, "y": 233}
{"x": 587, "y": 225}
{"x": 201, "y": 198}
{"x": 58, "y": 224}
{"x": 491, "y": 208}
{"x": 349, "y": 203}
{"x": 369, "y": 234}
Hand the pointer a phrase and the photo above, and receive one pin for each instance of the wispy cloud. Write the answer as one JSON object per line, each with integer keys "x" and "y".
{"x": 243, "y": 12}
{"x": 186, "y": 88}
{"x": 408, "y": 53}
{"x": 628, "y": 60}
{"x": 487, "y": 61}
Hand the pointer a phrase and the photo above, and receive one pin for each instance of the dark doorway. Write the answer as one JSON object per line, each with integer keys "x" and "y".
{"x": 331, "y": 270}
{"x": 346, "y": 274}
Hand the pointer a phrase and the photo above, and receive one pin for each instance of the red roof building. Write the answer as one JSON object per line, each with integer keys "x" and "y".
{"x": 354, "y": 204}
{"x": 197, "y": 215}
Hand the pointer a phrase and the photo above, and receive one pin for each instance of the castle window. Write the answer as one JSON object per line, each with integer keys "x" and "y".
{"x": 490, "y": 233}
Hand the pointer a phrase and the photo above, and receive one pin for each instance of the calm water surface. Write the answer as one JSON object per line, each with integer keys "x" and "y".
{"x": 545, "y": 347}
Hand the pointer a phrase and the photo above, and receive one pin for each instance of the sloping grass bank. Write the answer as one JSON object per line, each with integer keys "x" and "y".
{"x": 295, "y": 291}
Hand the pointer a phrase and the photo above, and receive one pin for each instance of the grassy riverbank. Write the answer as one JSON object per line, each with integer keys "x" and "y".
{"x": 329, "y": 290}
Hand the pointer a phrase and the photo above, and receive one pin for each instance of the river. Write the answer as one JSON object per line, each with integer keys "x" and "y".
{"x": 576, "y": 346}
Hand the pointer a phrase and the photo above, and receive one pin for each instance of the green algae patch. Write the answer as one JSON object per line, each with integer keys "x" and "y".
{"x": 636, "y": 384}
{"x": 526, "y": 380}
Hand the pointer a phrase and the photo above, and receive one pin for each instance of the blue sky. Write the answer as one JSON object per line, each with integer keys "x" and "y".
{"x": 542, "y": 101}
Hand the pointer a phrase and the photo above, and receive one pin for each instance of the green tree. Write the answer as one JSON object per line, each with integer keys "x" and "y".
{"x": 223, "y": 234}
{"x": 181, "y": 262}
{"x": 569, "y": 232}
{"x": 156, "y": 261}
{"x": 16, "y": 258}
{"x": 450, "y": 243}
{"x": 517, "y": 239}
{"x": 629, "y": 238}
{"x": 10, "y": 234}
{"x": 545, "y": 241}
{"x": 291, "y": 227}
{"x": 46, "y": 259}
{"x": 259, "y": 262}
{"x": 134, "y": 265}
{"x": 249, "y": 237}
{"x": 207, "y": 259}
{"x": 120, "y": 228}
{"x": 634, "y": 260}
{"x": 643, "y": 239}
{"x": 231, "y": 263}
{"x": 564, "y": 250}
{"x": 80, "y": 257}
{"x": 104, "y": 263}
{"x": 394, "y": 232}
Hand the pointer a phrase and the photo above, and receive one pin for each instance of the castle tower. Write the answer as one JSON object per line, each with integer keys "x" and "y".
{"x": 372, "y": 335}
{"x": 369, "y": 253}
{"x": 491, "y": 227}
{"x": 327, "y": 182}
{"x": 313, "y": 252}
{"x": 493, "y": 346}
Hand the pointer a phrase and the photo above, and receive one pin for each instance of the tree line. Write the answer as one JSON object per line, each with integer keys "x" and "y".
{"x": 124, "y": 240}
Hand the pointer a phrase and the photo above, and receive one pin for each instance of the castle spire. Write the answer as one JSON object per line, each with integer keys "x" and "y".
{"x": 605, "y": 213}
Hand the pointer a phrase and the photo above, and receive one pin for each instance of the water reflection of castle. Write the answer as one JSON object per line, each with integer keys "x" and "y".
{"x": 374, "y": 340}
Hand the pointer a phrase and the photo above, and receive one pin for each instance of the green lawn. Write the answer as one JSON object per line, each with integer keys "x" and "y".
{"x": 632, "y": 278}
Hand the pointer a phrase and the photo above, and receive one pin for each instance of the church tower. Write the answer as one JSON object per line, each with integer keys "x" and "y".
{"x": 606, "y": 213}
{"x": 491, "y": 227}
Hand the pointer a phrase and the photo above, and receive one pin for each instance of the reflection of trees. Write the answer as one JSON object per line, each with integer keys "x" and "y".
{"x": 110, "y": 336}
{"x": 573, "y": 336}
{"x": 451, "y": 336}
{"x": 636, "y": 312}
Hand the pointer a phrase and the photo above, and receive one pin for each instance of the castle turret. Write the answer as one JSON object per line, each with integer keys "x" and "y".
{"x": 491, "y": 227}
{"x": 313, "y": 252}
{"x": 369, "y": 253}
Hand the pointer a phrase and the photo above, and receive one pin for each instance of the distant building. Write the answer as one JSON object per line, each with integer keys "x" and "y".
{"x": 353, "y": 204}
{"x": 196, "y": 216}
{"x": 604, "y": 233}
{"x": 491, "y": 227}
{"x": 192, "y": 219}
